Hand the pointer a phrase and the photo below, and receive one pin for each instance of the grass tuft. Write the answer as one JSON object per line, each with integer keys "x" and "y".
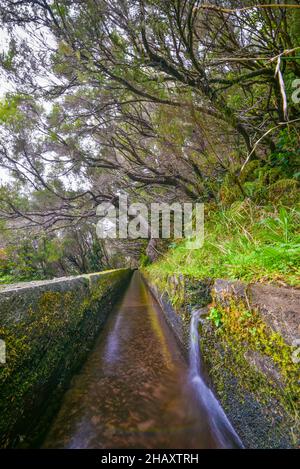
{"x": 244, "y": 242}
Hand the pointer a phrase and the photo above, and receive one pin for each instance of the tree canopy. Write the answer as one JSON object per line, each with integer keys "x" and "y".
{"x": 160, "y": 99}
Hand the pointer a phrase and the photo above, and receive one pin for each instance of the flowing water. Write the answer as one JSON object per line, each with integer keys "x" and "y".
{"x": 219, "y": 424}
{"x": 136, "y": 390}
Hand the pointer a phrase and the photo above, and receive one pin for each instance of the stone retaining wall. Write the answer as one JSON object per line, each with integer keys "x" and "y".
{"x": 48, "y": 328}
{"x": 250, "y": 339}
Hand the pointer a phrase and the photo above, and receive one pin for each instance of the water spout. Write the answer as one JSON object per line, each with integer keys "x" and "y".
{"x": 219, "y": 423}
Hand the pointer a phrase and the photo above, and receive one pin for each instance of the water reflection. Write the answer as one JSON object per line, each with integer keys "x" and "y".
{"x": 133, "y": 391}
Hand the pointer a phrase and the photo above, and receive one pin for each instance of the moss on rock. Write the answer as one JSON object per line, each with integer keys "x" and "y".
{"x": 48, "y": 329}
{"x": 242, "y": 349}
{"x": 247, "y": 348}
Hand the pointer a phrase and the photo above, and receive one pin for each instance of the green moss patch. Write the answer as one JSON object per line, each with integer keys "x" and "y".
{"x": 46, "y": 342}
{"x": 237, "y": 344}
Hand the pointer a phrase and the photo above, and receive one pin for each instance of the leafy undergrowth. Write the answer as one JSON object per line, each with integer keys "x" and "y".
{"x": 243, "y": 242}
{"x": 8, "y": 279}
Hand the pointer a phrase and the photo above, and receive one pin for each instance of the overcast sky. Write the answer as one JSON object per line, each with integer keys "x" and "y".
{"x": 44, "y": 80}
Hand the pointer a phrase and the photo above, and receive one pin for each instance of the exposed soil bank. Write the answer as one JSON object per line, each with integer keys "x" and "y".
{"x": 49, "y": 328}
{"x": 249, "y": 336}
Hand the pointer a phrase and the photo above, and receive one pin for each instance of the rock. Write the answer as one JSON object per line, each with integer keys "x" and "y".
{"x": 279, "y": 306}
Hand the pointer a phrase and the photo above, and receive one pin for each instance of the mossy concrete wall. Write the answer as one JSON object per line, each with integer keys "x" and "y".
{"x": 250, "y": 339}
{"x": 48, "y": 328}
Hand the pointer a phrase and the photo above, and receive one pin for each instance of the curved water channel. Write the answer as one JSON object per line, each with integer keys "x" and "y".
{"x": 136, "y": 389}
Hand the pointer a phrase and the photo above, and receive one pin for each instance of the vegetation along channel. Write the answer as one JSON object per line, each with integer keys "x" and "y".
{"x": 134, "y": 391}
{"x": 149, "y": 226}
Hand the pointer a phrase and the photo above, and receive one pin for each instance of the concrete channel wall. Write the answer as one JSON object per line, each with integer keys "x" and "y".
{"x": 250, "y": 346}
{"x": 48, "y": 328}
